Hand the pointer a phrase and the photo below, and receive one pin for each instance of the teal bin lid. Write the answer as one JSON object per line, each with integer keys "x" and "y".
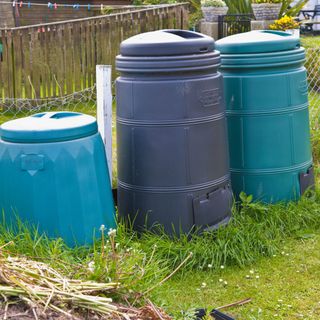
{"x": 258, "y": 42}
{"x": 49, "y": 127}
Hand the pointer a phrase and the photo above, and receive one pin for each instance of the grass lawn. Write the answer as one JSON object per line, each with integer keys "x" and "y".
{"x": 284, "y": 286}
{"x": 310, "y": 41}
{"x": 270, "y": 254}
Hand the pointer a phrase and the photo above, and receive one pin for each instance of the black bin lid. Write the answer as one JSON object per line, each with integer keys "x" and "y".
{"x": 167, "y": 43}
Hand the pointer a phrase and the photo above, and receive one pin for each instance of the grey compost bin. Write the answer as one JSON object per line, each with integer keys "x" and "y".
{"x": 173, "y": 166}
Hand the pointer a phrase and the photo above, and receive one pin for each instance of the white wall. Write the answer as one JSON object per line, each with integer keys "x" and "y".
{"x": 311, "y": 3}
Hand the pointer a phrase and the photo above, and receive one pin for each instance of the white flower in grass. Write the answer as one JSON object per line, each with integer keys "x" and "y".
{"x": 225, "y": 283}
{"x": 209, "y": 266}
{"x": 112, "y": 232}
{"x": 203, "y": 285}
{"x": 257, "y": 277}
{"x": 102, "y": 228}
{"x": 220, "y": 280}
{"x": 252, "y": 271}
{"x": 222, "y": 266}
{"x": 91, "y": 266}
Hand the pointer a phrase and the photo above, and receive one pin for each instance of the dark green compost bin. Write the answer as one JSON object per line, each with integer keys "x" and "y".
{"x": 266, "y": 95}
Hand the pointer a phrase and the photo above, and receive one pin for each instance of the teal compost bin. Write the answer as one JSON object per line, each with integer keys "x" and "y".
{"x": 266, "y": 94}
{"x": 54, "y": 175}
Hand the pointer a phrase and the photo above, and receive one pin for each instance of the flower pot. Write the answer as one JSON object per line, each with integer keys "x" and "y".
{"x": 294, "y": 32}
{"x": 266, "y": 11}
{"x": 211, "y": 14}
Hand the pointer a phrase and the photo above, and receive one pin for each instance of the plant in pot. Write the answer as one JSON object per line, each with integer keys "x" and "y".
{"x": 287, "y": 24}
{"x": 211, "y": 9}
{"x": 266, "y": 9}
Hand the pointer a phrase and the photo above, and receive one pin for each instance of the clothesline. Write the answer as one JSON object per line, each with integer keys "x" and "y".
{"x": 54, "y": 5}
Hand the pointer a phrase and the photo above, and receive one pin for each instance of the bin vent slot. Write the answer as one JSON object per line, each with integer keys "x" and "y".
{"x": 62, "y": 115}
{"x": 184, "y": 34}
{"x": 206, "y": 49}
{"x": 39, "y": 115}
{"x": 58, "y": 115}
{"x": 278, "y": 33}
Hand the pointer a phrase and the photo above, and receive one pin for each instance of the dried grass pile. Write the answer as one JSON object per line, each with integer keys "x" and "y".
{"x": 46, "y": 290}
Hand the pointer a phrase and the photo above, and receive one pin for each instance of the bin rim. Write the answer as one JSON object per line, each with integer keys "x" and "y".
{"x": 258, "y": 41}
{"x": 49, "y": 127}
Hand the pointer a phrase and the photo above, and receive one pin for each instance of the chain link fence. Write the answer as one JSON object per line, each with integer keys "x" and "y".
{"x": 313, "y": 69}
{"x": 83, "y": 101}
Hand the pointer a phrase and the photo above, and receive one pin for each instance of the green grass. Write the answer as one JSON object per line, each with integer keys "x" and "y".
{"x": 254, "y": 240}
{"x": 310, "y": 41}
{"x": 284, "y": 286}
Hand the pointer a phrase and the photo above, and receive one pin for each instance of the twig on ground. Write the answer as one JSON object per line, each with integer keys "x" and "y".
{"x": 35, "y": 313}
{"x": 170, "y": 275}
{"x": 155, "y": 310}
{"x": 5, "y": 314}
{"x": 19, "y": 315}
{"x": 238, "y": 303}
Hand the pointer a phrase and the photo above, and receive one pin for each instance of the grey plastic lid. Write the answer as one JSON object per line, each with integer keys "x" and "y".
{"x": 258, "y": 42}
{"x": 49, "y": 127}
{"x": 166, "y": 43}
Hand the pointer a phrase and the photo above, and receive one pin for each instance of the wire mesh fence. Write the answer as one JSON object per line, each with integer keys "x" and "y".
{"x": 83, "y": 101}
{"x": 313, "y": 69}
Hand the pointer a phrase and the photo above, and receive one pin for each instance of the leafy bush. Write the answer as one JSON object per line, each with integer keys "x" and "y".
{"x": 240, "y": 6}
{"x": 213, "y": 3}
{"x": 291, "y": 10}
{"x": 285, "y": 23}
{"x": 244, "y": 6}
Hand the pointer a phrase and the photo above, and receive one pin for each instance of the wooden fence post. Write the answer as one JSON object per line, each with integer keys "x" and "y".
{"x": 104, "y": 110}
